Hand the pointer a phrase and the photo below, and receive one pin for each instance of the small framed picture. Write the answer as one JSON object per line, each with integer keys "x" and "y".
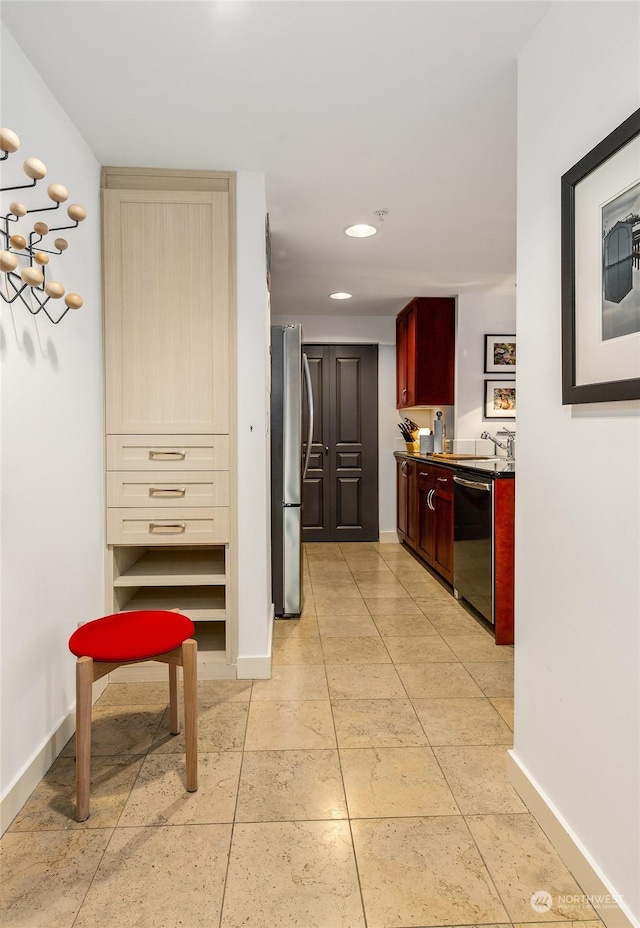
{"x": 499, "y": 354}
{"x": 499, "y": 399}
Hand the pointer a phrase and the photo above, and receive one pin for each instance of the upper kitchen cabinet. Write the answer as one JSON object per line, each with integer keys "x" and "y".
{"x": 425, "y": 352}
{"x": 167, "y": 289}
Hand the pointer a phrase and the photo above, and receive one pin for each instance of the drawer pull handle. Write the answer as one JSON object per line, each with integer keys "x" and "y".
{"x": 424, "y": 473}
{"x": 167, "y": 455}
{"x": 167, "y": 491}
{"x": 443, "y": 479}
{"x": 167, "y": 528}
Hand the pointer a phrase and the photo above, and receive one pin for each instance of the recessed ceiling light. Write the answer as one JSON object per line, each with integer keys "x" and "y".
{"x": 340, "y": 296}
{"x": 360, "y": 230}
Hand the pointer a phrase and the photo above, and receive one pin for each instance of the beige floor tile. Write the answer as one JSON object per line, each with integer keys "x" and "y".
{"x": 372, "y": 723}
{"x": 211, "y": 692}
{"x": 422, "y": 588}
{"x": 292, "y": 875}
{"x": 118, "y": 730}
{"x": 304, "y": 627}
{"x": 504, "y": 706}
{"x": 462, "y": 721}
{"x": 522, "y": 861}
{"x": 403, "y": 626}
{"x": 159, "y": 796}
{"x": 355, "y": 651}
{"x": 347, "y": 626}
{"x": 297, "y": 651}
{"x": 426, "y": 649}
{"x": 383, "y": 588}
{"x": 423, "y": 871}
{"x": 473, "y": 648}
{"x": 290, "y": 786}
{"x": 45, "y": 876}
{"x": 331, "y": 589}
{"x": 290, "y": 725}
{"x": 424, "y": 681}
{"x": 387, "y": 782}
{"x": 455, "y": 623}
{"x": 135, "y": 694}
{"x": 364, "y": 681}
{"x": 495, "y": 678}
{"x": 431, "y": 599}
{"x": 161, "y": 877}
{"x": 292, "y": 681}
{"x": 372, "y": 573}
{"x": 221, "y": 727}
{"x": 325, "y": 570}
{"x": 392, "y": 605}
{"x": 340, "y": 606}
{"x": 52, "y": 805}
{"x": 478, "y": 779}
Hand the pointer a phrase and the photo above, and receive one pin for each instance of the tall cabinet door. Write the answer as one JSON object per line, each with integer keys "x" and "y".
{"x": 166, "y": 337}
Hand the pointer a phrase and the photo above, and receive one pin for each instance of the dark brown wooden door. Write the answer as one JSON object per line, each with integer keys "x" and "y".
{"x": 340, "y": 493}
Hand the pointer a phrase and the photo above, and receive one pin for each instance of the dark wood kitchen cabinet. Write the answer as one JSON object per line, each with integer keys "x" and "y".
{"x": 435, "y": 518}
{"x": 425, "y": 353}
{"x": 407, "y": 501}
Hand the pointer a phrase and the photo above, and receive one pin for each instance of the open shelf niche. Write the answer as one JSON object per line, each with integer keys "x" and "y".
{"x": 192, "y": 579}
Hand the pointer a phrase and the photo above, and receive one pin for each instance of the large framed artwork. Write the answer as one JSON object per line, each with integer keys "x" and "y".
{"x": 499, "y": 399}
{"x": 601, "y": 271}
{"x": 499, "y": 354}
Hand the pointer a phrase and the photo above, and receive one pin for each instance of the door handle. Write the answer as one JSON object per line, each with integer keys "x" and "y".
{"x": 307, "y": 377}
{"x": 429, "y": 500}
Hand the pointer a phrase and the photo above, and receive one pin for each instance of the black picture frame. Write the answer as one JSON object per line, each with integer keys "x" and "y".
{"x": 490, "y": 412}
{"x": 493, "y": 342}
{"x": 610, "y": 390}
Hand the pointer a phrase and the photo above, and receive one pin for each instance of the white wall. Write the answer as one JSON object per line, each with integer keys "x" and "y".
{"x": 254, "y": 516}
{"x": 52, "y": 560}
{"x": 577, "y": 674}
{"x": 363, "y": 330}
{"x": 479, "y": 314}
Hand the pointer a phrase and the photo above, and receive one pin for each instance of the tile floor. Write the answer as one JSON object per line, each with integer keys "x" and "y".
{"x": 363, "y": 785}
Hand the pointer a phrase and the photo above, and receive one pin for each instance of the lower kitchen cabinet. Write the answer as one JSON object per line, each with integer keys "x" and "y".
{"x": 407, "y": 500}
{"x": 435, "y": 522}
{"x": 426, "y": 524}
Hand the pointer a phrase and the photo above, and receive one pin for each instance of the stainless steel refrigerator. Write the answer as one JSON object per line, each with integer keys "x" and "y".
{"x": 290, "y": 450}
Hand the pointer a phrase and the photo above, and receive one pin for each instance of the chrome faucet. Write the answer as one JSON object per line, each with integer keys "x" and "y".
{"x": 509, "y": 447}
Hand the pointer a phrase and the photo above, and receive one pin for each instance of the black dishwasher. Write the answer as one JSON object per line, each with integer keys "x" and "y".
{"x": 473, "y": 542}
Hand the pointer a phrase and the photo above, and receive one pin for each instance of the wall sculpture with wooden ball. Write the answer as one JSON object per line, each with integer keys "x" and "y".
{"x": 25, "y": 253}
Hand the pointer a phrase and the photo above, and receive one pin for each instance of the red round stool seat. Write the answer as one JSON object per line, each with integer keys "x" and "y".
{"x": 131, "y": 636}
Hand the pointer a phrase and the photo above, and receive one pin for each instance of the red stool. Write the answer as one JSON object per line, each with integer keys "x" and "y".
{"x": 127, "y": 638}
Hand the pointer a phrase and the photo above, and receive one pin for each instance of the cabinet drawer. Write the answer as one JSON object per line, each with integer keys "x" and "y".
{"x": 167, "y": 452}
{"x": 167, "y": 526}
{"x": 143, "y": 488}
{"x": 437, "y": 478}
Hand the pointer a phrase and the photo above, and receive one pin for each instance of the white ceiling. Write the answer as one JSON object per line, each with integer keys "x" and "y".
{"x": 347, "y": 106}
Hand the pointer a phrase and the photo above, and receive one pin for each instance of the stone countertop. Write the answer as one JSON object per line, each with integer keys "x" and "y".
{"x": 490, "y": 468}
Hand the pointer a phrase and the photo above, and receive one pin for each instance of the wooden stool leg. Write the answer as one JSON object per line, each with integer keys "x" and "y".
{"x": 173, "y": 699}
{"x": 84, "y": 683}
{"x": 190, "y": 683}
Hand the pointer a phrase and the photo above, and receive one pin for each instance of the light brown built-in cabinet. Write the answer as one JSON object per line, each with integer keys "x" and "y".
{"x": 169, "y": 289}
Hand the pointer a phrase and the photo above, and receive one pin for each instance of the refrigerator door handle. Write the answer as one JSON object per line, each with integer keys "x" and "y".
{"x": 307, "y": 377}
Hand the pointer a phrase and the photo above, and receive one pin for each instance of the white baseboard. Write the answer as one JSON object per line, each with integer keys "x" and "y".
{"x": 258, "y": 668}
{"x": 388, "y": 538}
{"x": 602, "y": 896}
{"x": 254, "y": 668}
{"x": 25, "y": 783}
